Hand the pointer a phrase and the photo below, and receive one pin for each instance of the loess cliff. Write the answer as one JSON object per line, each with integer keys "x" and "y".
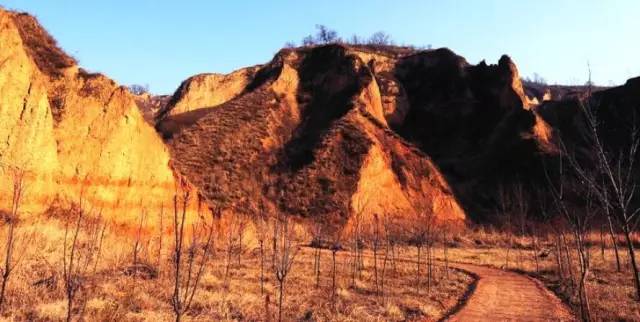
{"x": 73, "y": 136}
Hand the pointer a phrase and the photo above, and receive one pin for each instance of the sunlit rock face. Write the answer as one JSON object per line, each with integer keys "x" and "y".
{"x": 310, "y": 135}
{"x": 208, "y": 90}
{"x": 76, "y": 136}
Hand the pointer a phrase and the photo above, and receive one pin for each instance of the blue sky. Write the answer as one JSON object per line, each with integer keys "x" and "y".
{"x": 161, "y": 43}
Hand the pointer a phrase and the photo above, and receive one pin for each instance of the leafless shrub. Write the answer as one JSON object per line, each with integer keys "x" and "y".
{"x": 82, "y": 235}
{"x": 13, "y": 240}
{"x": 189, "y": 258}
{"x": 380, "y": 38}
{"x": 137, "y": 89}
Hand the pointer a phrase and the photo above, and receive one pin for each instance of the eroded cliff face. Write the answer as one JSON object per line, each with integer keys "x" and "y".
{"x": 310, "y": 135}
{"x": 75, "y": 135}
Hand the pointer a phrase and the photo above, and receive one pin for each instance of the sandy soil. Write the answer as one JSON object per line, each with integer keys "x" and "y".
{"x": 506, "y": 296}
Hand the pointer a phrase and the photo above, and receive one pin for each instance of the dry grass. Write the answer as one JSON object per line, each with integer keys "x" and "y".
{"x": 41, "y": 46}
{"x": 36, "y": 290}
{"x": 611, "y": 293}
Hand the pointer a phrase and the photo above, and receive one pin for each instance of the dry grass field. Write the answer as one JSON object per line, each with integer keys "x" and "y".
{"x": 112, "y": 290}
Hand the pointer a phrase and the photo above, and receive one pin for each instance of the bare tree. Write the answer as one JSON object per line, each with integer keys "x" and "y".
{"x": 137, "y": 241}
{"x": 613, "y": 178}
{"x": 262, "y": 228}
{"x": 285, "y": 256}
{"x": 360, "y": 206}
{"x": 231, "y": 241}
{"x": 505, "y": 212}
{"x": 380, "y": 38}
{"x": 82, "y": 235}
{"x": 420, "y": 234}
{"x": 324, "y": 35}
{"x": 579, "y": 222}
{"x": 316, "y": 244}
{"x": 100, "y": 240}
{"x": 336, "y": 246}
{"x": 376, "y": 239}
{"x": 187, "y": 270}
{"x": 137, "y": 89}
{"x": 160, "y": 238}
{"x": 11, "y": 220}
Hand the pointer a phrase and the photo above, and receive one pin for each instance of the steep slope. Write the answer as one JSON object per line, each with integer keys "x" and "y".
{"x": 75, "y": 135}
{"x": 475, "y": 122}
{"x": 207, "y": 90}
{"x": 198, "y": 94}
{"x": 310, "y": 136}
{"x": 615, "y": 110}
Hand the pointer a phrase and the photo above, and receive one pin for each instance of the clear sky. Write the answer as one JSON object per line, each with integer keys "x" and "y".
{"x": 161, "y": 43}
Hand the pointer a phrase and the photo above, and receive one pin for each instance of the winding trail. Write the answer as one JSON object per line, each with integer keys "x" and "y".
{"x": 500, "y": 295}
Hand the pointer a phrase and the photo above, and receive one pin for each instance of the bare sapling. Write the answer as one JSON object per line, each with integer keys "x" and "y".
{"x": 613, "y": 177}
{"x": 419, "y": 235}
{"x": 241, "y": 228}
{"x": 231, "y": 241}
{"x": 262, "y": 228}
{"x": 189, "y": 258}
{"x": 579, "y": 223}
{"x": 11, "y": 220}
{"x": 335, "y": 247}
{"x": 389, "y": 239}
{"x": 445, "y": 249}
{"x": 360, "y": 206}
{"x": 430, "y": 239}
{"x": 137, "y": 242}
{"x": 103, "y": 230}
{"x": 417, "y": 239}
{"x": 160, "y": 239}
{"x": 375, "y": 244}
{"x": 521, "y": 209}
{"x": 82, "y": 236}
{"x": 505, "y": 212}
{"x": 285, "y": 256}
{"x": 316, "y": 244}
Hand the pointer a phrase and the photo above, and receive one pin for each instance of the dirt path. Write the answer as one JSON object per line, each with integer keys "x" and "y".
{"x": 506, "y": 296}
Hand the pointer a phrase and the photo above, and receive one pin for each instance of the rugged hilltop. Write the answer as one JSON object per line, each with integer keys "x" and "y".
{"x": 309, "y": 134}
{"x": 75, "y": 135}
{"x": 327, "y": 130}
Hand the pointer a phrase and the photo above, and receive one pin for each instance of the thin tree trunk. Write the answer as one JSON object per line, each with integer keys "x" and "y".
{"x": 615, "y": 244}
{"x": 280, "y": 301}
{"x": 393, "y": 258}
{"x": 418, "y": 272}
{"x": 429, "y": 268}
{"x": 69, "y": 304}
{"x": 384, "y": 268}
{"x": 602, "y": 245}
{"x": 317, "y": 266}
{"x": 559, "y": 258}
{"x": 262, "y": 267}
{"x": 535, "y": 250}
{"x": 632, "y": 259}
{"x": 585, "y": 309}
{"x": 333, "y": 275}
{"x": 569, "y": 263}
{"x": 2, "y": 290}
{"x": 375, "y": 266}
{"x": 446, "y": 255}
{"x": 240, "y": 244}
{"x": 7, "y": 263}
